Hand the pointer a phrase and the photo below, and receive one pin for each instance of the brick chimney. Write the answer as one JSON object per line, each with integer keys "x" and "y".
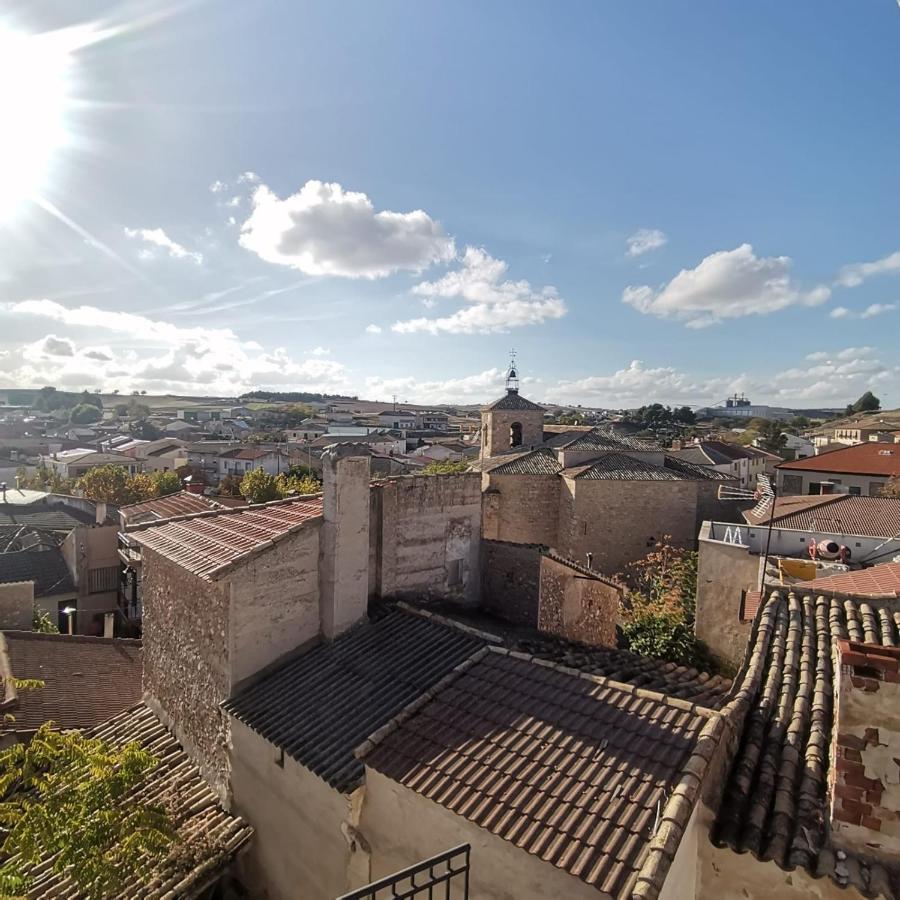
{"x": 865, "y": 803}
{"x": 344, "y": 548}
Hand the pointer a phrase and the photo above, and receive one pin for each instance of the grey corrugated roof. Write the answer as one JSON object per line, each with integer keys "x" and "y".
{"x": 537, "y": 462}
{"x": 44, "y": 515}
{"x": 621, "y": 467}
{"x": 513, "y": 400}
{"x": 321, "y": 706}
{"x": 693, "y": 470}
{"x": 46, "y": 568}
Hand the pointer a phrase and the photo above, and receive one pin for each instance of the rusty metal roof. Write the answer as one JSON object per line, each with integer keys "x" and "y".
{"x": 209, "y": 543}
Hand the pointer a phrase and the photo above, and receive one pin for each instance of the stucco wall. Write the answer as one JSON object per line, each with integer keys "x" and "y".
{"x": 528, "y": 508}
{"x": 17, "y": 605}
{"x": 428, "y": 539}
{"x": 186, "y": 659}
{"x": 869, "y": 485}
{"x": 620, "y": 521}
{"x": 274, "y": 603}
{"x": 403, "y": 828}
{"x": 723, "y": 572}
{"x": 575, "y": 606}
{"x": 298, "y": 849}
{"x": 496, "y": 425}
{"x": 510, "y": 580}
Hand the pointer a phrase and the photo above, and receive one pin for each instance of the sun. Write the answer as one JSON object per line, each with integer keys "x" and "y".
{"x": 35, "y": 81}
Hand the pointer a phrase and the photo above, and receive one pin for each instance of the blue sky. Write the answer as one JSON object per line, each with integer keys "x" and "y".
{"x": 648, "y": 200}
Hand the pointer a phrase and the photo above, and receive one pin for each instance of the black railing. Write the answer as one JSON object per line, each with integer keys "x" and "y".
{"x": 443, "y": 877}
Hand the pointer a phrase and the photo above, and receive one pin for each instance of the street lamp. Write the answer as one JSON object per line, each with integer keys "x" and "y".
{"x": 69, "y": 611}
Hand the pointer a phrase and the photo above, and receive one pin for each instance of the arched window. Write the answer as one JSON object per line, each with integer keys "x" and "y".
{"x": 515, "y": 434}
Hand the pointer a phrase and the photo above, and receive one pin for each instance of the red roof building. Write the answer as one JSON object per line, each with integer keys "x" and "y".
{"x": 863, "y": 469}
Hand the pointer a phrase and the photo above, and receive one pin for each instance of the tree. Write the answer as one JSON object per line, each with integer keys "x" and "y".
{"x": 107, "y": 484}
{"x": 658, "y": 608}
{"x": 136, "y": 410}
{"x": 230, "y": 486}
{"x": 290, "y": 484}
{"x": 868, "y": 402}
{"x": 44, "y": 479}
{"x": 258, "y": 486}
{"x": 144, "y": 430}
{"x": 86, "y": 397}
{"x": 770, "y": 436}
{"x": 85, "y": 414}
{"x": 165, "y": 483}
{"x": 892, "y": 488}
{"x": 139, "y": 487}
{"x": 69, "y": 799}
{"x": 447, "y": 467}
{"x": 42, "y": 623}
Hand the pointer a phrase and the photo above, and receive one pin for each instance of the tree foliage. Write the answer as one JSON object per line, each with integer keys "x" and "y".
{"x": 892, "y": 488}
{"x": 85, "y": 414}
{"x": 113, "y": 484}
{"x": 658, "y": 416}
{"x": 447, "y": 467}
{"x": 868, "y": 402}
{"x": 67, "y": 798}
{"x": 288, "y": 484}
{"x": 258, "y": 486}
{"x": 165, "y": 483}
{"x": 42, "y": 623}
{"x": 658, "y": 608}
{"x": 43, "y": 478}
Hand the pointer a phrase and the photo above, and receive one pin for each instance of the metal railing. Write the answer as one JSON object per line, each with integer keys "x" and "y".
{"x": 442, "y": 877}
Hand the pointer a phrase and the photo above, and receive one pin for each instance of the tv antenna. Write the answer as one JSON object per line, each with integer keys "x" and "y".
{"x": 764, "y": 495}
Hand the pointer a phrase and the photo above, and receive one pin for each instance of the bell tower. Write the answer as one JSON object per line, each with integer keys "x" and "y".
{"x": 512, "y": 422}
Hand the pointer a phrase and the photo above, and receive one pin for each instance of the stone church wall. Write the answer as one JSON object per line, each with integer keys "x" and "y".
{"x": 528, "y": 508}
{"x": 497, "y": 423}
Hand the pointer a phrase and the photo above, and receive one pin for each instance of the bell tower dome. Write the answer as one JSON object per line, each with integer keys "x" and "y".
{"x": 512, "y": 422}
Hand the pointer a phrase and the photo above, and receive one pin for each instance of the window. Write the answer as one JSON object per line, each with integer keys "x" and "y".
{"x": 791, "y": 484}
{"x": 106, "y": 579}
{"x": 515, "y": 434}
{"x": 856, "y": 491}
{"x": 454, "y": 572}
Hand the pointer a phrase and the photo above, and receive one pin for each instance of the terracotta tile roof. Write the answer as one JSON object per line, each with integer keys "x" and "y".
{"x": 602, "y": 439}
{"x": 210, "y": 543}
{"x": 207, "y": 837}
{"x": 775, "y": 801}
{"x": 86, "y": 679}
{"x": 836, "y": 514}
{"x": 621, "y": 467}
{"x": 182, "y": 503}
{"x": 871, "y": 458}
{"x": 537, "y": 462}
{"x": 573, "y": 769}
{"x": 247, "y": 453}
{"x": 513, "y": 400}
{"x": 320, "y": 706}
{"x": 882, "y": 580}
{"x": 46, "y": 568}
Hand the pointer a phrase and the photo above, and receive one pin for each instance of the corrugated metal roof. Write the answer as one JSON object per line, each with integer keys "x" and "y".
{"x": 182, "y": 503}
{"x": 621, "y": 467}
{"x": 837, "y": 514}
{"x": 208, "y": 543}
{"x": 570, "y": 769}
{"x": 319, "y": 707}
{"x": 776, "y": 798}
{"x": 513, "y": 400}
{"x": 207, "y": 838}
{"x": 871, "y": 458}
{"x": 86, "y": 679}
{"x": 537, "y": 462}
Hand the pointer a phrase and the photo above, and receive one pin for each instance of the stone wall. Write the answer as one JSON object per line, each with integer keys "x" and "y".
{"x": 865, "y": 804}
{"x": 619, "y": 522}
{"x": 427, "y": 537}
{"x": 496, "y": 426}
{"x": 577, "y": 605}
{"x": 724, "y": 572}
{"x": 187, "y": 661}
{"x": 17, "y": 606}
{"x": 511, "y": 580}
{"x": 527, "y": 508}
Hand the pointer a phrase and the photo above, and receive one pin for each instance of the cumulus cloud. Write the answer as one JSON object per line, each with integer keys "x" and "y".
{"x": 158, "y": 355}
{"x": 484, "y": 386}
{"x": 495, "y": 303}
{"x": 855, "y": 274}
{"x": 725, "y": 285}
{"x": 325, "y": 230}
{"x": 872, "y": 310}
{"x": 646, "y": 239}
{"x": 157, "y": 238}
{"x": 636, "y": 384}
{"x": 373, "y": 329}
{"x": 320, "y": 351}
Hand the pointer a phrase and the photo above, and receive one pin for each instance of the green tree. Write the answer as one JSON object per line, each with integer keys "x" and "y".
{"x": 69, "y": 799}
{"x": 165, "y": 483}
{"x": 868, "y": 402}
{"x": 42, "y": 623}
{"x": 289, "y": 485}
{"x": 108, "y": 484}
{"x": 447, "y": 467}
{"x": 892, "y": 488}
{"x": 771, "y": 437}
{"x": 44, "y": 479}
{"x": 85, "y": 414}
{"x": 139, "y": 487}
{"x": 230, "y": 486}
{"x": 258, "y": 486}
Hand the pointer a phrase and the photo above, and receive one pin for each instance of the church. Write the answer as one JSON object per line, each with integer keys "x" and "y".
{"x": 597, "y": 497}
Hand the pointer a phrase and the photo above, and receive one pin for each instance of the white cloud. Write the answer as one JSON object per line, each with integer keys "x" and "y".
{"x": 158, "y": 238}
{"x": 217, "y": 187}
{"x": 725, "y": 285}
{"x": 646, "y": 239}
{"x": 234, "y": 201}
{"x": 156, "y": 355}
{"x": 320, "y": 351}
{"x": 248, "y": 178}
{"x": 872, "y": 310}
{"x": 634, "y": 385}
{"x": 373, "y": 329}
{"x": 485, "y": 385}
{"x": 495, "y": 304}
{"x": 855, "y": 274}
{"x": 325, "y": 230}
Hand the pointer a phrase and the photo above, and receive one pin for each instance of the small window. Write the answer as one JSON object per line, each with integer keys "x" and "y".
{"x": 855, "y": 491}
{"x": 515, "y": 434}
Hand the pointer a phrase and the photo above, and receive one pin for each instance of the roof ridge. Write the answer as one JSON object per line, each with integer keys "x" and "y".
{"x": 23, "y": 635}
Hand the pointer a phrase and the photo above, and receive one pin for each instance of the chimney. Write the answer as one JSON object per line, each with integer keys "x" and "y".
{"x": 109, "y": 621}
{"x": 344, "y": 553}
{"x": 100, "y": 512}
{"x": 865, "y": 780}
